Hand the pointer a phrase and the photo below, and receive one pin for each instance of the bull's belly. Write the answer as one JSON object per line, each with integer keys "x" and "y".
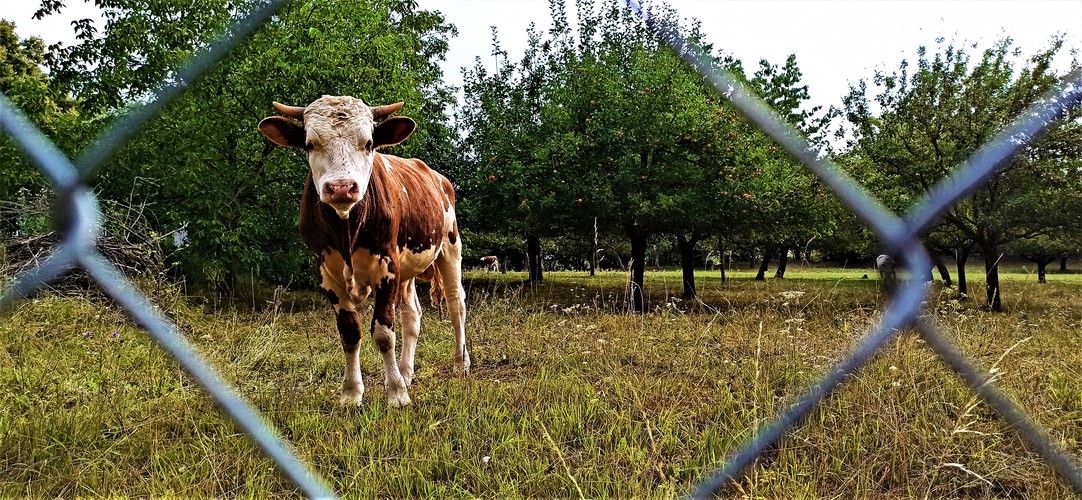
{"x": 369, "y": 271}
{"x": 411, "y": 264}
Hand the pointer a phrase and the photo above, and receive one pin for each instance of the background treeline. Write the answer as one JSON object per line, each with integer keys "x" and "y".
{"x": 596, "y": 148}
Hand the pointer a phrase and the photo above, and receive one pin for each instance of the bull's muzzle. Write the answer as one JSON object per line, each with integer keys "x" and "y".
{"x": 341, "y": 194}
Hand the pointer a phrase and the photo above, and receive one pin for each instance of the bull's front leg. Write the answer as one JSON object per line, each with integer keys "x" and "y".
{"x": 383, "y": 337}
{"x": 349, "y": 329}
{"x": 333, "y": 270}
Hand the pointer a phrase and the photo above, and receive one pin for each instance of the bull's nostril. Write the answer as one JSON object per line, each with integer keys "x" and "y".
{"x": 342, "y": 190}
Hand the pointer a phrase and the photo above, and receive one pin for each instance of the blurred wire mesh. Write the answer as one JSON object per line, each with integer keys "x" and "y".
{"x": 80, "y": 220}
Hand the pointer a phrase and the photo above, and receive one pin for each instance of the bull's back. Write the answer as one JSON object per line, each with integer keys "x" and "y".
{"x": 424, "y": 202}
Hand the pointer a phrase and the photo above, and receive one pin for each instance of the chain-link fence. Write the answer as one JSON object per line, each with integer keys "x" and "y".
{"x": 79, "y": 221}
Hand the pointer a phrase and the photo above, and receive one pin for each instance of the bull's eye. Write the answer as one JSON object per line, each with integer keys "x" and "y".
{"x": 309, "y": 146}
{"x": 368, "y": 145}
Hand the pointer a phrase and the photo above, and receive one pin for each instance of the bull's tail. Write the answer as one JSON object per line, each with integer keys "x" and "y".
{"x": 435, "y": 292}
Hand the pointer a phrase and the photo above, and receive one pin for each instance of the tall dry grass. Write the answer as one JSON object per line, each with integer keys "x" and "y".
{"x": 568, "y": 397}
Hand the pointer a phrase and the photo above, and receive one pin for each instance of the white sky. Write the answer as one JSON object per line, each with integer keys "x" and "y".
{"x": 836, "y": 42}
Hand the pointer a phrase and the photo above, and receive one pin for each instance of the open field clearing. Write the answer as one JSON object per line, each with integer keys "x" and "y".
{"x": 567, "y": 396}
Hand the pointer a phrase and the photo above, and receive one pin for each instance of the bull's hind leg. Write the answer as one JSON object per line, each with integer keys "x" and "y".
{"x": 450, "y": 265}
{"x": 411, "y": 329}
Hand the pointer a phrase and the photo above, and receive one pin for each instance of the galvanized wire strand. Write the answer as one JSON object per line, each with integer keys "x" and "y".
{"x": 116, "y": 135}
{"x": 981, "y": 383}
{"x": 166, "y": 335}
{"x": 887, "y": 225}
{"x": 50, "y": 160}
{"x": 984, "y": 162}
{"x": 903, "y": 310}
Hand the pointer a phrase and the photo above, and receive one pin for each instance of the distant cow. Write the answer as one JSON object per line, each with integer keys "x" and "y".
{"x": 490, "y": 263}
{"x": 885, "y": 265}
{"x": 375, "y": 222}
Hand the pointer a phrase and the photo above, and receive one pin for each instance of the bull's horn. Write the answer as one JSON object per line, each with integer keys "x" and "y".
{"x": 381, "y": 112}
{"x": 290, "y": 111}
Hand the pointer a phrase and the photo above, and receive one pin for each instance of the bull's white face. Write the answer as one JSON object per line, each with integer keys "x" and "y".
{"x": 338, "y": 138}
{"x": 341, "y": 135}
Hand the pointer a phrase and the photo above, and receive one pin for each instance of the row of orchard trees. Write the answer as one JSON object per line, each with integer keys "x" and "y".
{"x": 923, "y": 122}
{"x": 600, "y": 125}
{"x": 597, "y": 128}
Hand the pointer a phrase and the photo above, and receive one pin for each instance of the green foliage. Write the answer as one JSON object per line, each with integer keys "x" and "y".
{"x": 47, "y": 106}
{"x": 201, "y": 165}
{"x": 925, "y": 121}
{"x": 605, "y": 121}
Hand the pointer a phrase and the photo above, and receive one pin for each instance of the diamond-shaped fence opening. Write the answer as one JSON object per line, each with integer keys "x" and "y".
{"x": 901, "y": 236}
{"x": 80, "y": 222}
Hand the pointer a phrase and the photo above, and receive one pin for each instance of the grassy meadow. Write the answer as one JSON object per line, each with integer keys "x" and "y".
{"x": 568, "y": 397}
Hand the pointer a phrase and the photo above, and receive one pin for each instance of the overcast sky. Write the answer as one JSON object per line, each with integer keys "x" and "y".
{"x": 836, "y": 42}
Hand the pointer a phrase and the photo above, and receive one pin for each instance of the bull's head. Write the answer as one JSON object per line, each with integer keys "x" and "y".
{"x": 341, "y": 135}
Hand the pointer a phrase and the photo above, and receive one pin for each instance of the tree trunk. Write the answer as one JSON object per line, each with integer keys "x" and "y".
{"x": 722, "y": 260}
{"x": 944, "y": 272}
{"x": 1041, "y": 265}
{"x": 593, "y": 251}
{"x": 961, "y": 256}
{"x": 636, "y": 297}
{"x": 767, "y": 254}
{"x": 783, "y": 262}
{"x": 1063, "y": 264}
{"x": 990, "y": 252}
{"x": 687, "y": 264}
{"x": 533, "y": 257}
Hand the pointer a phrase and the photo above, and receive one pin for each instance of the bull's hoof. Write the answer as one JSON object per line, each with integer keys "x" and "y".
{"x": 351, "y": 399}
{"x": 398, "y": 400}
{"x": 351, "y": 396}
{"x": 462, "y": 366}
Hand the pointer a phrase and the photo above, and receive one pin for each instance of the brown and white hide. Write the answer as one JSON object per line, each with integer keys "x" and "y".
{"x": 375, "y": 223}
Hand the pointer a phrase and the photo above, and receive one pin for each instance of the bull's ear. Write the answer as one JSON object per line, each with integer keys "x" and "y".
{"x": 282, "y": 132}
{"x": 393, "y": 131}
